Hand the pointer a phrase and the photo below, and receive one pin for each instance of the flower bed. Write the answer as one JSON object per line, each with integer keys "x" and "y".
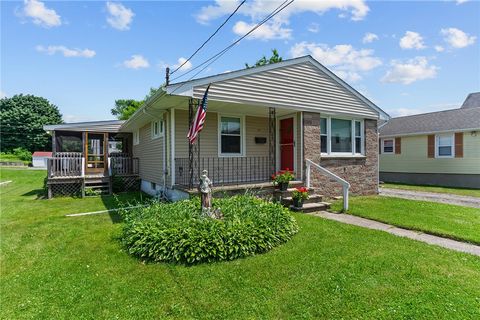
{"x": 176, "y": 232}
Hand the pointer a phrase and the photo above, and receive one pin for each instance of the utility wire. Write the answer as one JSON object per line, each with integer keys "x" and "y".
{"x": 215, "y": 57}
{"x": 213, "y": 34}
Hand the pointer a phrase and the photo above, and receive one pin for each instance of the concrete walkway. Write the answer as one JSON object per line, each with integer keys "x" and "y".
{"x": 414, "y": 235}
{"x": 458, "y": 200}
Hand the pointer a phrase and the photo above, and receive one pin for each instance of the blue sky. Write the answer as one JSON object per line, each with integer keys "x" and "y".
{"x": 408, "y": 57}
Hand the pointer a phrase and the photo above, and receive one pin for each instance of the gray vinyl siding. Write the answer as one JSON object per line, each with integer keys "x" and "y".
{"x": 149, "y": 151}
{"x": 295, "y": 86}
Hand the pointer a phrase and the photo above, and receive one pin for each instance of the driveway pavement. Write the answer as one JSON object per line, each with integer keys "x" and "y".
{"x": 466, "y": 201}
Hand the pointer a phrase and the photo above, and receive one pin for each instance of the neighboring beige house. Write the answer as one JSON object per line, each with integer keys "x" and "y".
{"x": 437, "y": 148}
{"x": 295, "y": 115}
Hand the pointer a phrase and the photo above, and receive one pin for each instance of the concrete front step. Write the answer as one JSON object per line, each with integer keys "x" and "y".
{"x": 311, "y": 207}
{"x": 311, "y": 199}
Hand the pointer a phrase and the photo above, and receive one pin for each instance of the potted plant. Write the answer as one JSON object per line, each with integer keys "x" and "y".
{"x": 282, "y": 178}
{"x": 299, "y": 195}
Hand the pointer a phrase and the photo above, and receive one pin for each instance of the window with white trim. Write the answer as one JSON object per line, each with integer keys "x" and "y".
{"x": 388, "y": 146}
{"x": 341, "y": 136}
{"x": 231, "y": 136}
{"x": 157, "y": 129}
{"x": 444, "y": 145}
{"x": 136, "y": 137}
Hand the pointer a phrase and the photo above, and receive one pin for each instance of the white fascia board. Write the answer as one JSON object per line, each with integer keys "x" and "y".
{"x": 428, "y": 132}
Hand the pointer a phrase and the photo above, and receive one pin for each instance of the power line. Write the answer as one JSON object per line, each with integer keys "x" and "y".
{"x": 215, "y": 57}
{"x": 213, "y": 34}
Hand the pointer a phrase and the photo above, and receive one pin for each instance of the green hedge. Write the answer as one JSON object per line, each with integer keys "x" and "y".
{"x": 177, "y": 233}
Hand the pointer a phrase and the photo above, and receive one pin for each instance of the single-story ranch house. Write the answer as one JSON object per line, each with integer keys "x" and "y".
{"x": 437, "y": 148}
{"x": 295, "y": 115}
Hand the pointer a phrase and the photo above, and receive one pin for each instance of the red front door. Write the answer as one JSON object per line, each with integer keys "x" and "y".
{"x": 286, "y": 144}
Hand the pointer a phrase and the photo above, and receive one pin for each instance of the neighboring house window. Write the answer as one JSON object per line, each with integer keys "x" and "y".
{"x": 341, "y": 136}
{"x": 136, "y": 137}
{"x": 157, "y": 129}
{"x": 444, "y": 146}
{"x": 231, "y": 136}
{"x": 388, "y": 146}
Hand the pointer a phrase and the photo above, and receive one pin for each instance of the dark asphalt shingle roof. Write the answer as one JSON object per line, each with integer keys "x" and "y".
{"x": 472, "y": 101}
{"x": 448, "y": 120}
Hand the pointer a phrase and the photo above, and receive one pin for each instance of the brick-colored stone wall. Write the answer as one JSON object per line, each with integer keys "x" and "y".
{"x": 361, "y": 173}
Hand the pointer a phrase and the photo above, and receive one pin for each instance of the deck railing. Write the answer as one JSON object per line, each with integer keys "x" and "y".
{"x": 224, "y": 170}
{"x": 72, "y": 164}
{"x": 65, "y": 166}
{"x": 123, "y": 165}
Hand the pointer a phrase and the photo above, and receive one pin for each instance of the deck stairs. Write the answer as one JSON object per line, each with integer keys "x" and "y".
{"x": 313, "y": 203}
{"x": 97, "y": 185}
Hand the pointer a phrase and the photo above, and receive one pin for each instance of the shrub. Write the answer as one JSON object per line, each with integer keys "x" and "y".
{"x": 176, "y": 232}
{"x": 23, "y": 154}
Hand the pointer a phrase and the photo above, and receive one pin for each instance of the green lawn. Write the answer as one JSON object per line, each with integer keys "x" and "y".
{"x": 447, "y": 220}
{"x": 459, "y": 191}
{"x": 54, "y": 266}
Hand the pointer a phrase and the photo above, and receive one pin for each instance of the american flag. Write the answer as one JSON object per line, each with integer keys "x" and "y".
{"x": 197, "y": 125}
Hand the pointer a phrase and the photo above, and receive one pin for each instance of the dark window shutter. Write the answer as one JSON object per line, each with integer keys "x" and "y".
{"x": 458, "y": 144}
{"x": 431, "y": 146}
{"x": 398, "y": 145}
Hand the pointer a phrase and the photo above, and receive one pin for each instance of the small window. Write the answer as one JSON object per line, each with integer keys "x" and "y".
{"x": 323, "y": 135}
{"x": 387, "y": 145}
{"x": 136, "y": 137}
{"x": 157, "y": 129}
{"x": 358, "y": 137}
{"x": 445, "y": 147}
{"x": 153, "y": 185}
{"x": 231, "y": 136}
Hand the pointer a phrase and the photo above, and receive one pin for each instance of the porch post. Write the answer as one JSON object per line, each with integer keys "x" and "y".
{"x": 272, "y": 154}
{"x": 193, "y": 149}
{"x": 54, "y": 144}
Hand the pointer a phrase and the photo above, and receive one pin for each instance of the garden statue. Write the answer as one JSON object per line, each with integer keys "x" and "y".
{"x": 205, "y": 188}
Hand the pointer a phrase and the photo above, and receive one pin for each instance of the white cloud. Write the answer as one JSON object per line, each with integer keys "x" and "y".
{"x": 369, "y": 37}
{"x": 457, "y": 38}
{"x": 185, "y": 67}
{"x": 3, "y": 94}
{"x": 314, "y": 27}
{"x": 40, "y": 14}
{"x": 412, "y": 40}
{"x": 119, "y": 17}
{"x": 439, "y": 48}
{"x": 410, "y": 71}
{"x": 136, "y": 62}
{"x": 267, "y": 31}
{"x": 460, "y": 1}
{"x": 69, "y": 53}
{"x": 347, "y": 62}
{"x": 276, "y": 28}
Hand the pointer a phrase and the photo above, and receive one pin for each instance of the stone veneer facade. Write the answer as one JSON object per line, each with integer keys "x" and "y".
{"x": 361, "y": 172}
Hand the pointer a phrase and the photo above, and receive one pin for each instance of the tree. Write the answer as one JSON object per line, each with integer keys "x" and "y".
{"x": 264, "y": 61}
{"x": 125, "y": 108}
{"x": 22, "y": 120}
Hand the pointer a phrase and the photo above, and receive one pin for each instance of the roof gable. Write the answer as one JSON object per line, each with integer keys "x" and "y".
{"x": 300, "y": 84}
{"x": 472, "y": 101}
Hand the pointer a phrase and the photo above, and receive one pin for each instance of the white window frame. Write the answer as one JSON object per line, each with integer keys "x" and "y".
{"x": 353, "y": 153}
{"x": 393, "y": 146}
{"x": 136, "y": 137}
{"x": 242, "y": 136}
{"x": 437, "y": 144}
{"x": 160, "y": 126}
